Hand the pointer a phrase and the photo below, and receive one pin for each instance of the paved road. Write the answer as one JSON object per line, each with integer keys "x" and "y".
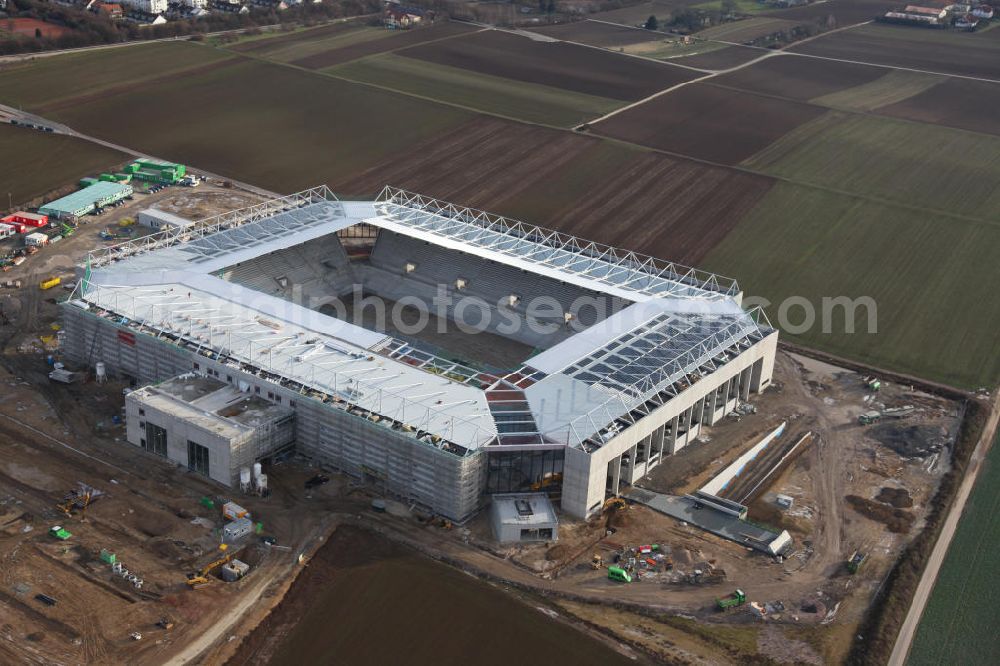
{"x": 926, "y": 585}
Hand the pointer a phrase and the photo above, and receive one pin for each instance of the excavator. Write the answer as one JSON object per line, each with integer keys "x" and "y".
{"x": 548, "y": 480}
{"x": 201, "y": 579}
{"x": 79, "y": 499}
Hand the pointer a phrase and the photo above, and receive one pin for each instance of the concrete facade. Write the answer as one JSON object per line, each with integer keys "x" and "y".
{"x": 518, "y": 518}
{"x": 590, "y": 477}
{"x": 236, "y": 429}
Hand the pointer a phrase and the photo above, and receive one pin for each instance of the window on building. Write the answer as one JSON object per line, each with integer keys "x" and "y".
{"x": 197, "y": 458}
{"x": 142, "y": 412}
{"x": 156, "y": 439}
{"x": 256, "y": 389}
{"x": 197, "y": 366}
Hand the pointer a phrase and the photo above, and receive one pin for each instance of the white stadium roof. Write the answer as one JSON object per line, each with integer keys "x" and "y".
{"x": 575, "y": 393}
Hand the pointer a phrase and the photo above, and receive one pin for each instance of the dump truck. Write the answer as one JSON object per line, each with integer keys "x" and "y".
{"x": 737, "y": 598}
{"x": 619, "y": 574}
{"x": 869, "y": 418}
{"x": 855, "y": 561}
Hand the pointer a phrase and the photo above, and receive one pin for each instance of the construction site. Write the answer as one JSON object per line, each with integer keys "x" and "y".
{"x": 167, "y": 475}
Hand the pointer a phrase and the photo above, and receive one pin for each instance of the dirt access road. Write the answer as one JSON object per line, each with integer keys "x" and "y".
{"x": 909, "y": 629}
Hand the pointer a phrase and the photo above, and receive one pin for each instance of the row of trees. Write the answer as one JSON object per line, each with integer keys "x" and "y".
{"x": 89, "y": 29}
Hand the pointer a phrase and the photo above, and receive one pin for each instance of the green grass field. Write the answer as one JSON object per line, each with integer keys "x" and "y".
{"x": 47, "y": 80}
{"x": 958, "y": 625}
{"x": 891, "y": 88}
{"x": 919, "y": 165}
{"x": 36, "y": 162}
{"x": 933, "y": 279}
{"x": 264, "y": 123}
{"x": 493, "y": 94}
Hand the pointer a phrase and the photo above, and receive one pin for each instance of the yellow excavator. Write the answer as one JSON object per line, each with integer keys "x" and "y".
{"x": 201, "y": 579}
{"x": 616, "y": 503}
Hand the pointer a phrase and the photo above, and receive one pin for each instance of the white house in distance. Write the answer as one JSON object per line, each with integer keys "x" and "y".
{"x": 147, "y": 6}
{"x": 397, "y": 17}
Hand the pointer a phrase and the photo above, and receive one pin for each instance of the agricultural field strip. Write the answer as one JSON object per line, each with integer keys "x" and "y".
{"x": 925, "y": 587}
{"x": 622, "y": 53}
{"x": 820, "y": 102}
{"x": 331, "y": 73}
{"x": 825, "y": 187}
{"x": 785, "y": 52}
{"x": 529, "y": 102}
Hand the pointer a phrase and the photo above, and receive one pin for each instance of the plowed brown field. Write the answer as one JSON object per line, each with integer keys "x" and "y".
{"x": 799, "y": 78}
{"x": 940, "y": 51}
{"x": 709, "y": 123}
{"x": 844, "y": 12}
{"x": 645, "y": 201}
{"x": 724, "y": 58}
{"x": 970, "y": 105}
{"x": 401, "y": 40}
{"x": 556, "y": 64}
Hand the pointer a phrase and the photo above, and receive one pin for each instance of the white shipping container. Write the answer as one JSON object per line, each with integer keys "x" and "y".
{"x": 36, "y": 239}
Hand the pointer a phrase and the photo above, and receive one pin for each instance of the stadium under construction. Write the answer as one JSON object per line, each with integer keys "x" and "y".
{"x": 517, "y": 358}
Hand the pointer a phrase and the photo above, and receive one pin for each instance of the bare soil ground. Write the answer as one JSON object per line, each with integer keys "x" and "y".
{"x": 953, "y": 103}
{"x": 799, "y": 78}
{"x": 709, "y": 123}
{"x": 556, "y": 64}
{"x": 724, "y": 58}
{"x": 343, "y": 54}
{"x": 643, "y": 201}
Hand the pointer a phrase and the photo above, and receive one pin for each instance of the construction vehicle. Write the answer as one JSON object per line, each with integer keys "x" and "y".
{"x": 616, "y": 503}
{"x": 552, "y": 479}
{"x": 618, "y": 574}
{"x": 869, "y": 418}
{"x": 201, "y": 579}
{"x": 79, "y": 498}
{"x": 737, "y": 598}
{"x": 873, "y": 384}
{"x": 855, "y": 561}
{"x": 59, "y": 532}
{"x": 165, "y": 623}
{"x": 67, "y": 230}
